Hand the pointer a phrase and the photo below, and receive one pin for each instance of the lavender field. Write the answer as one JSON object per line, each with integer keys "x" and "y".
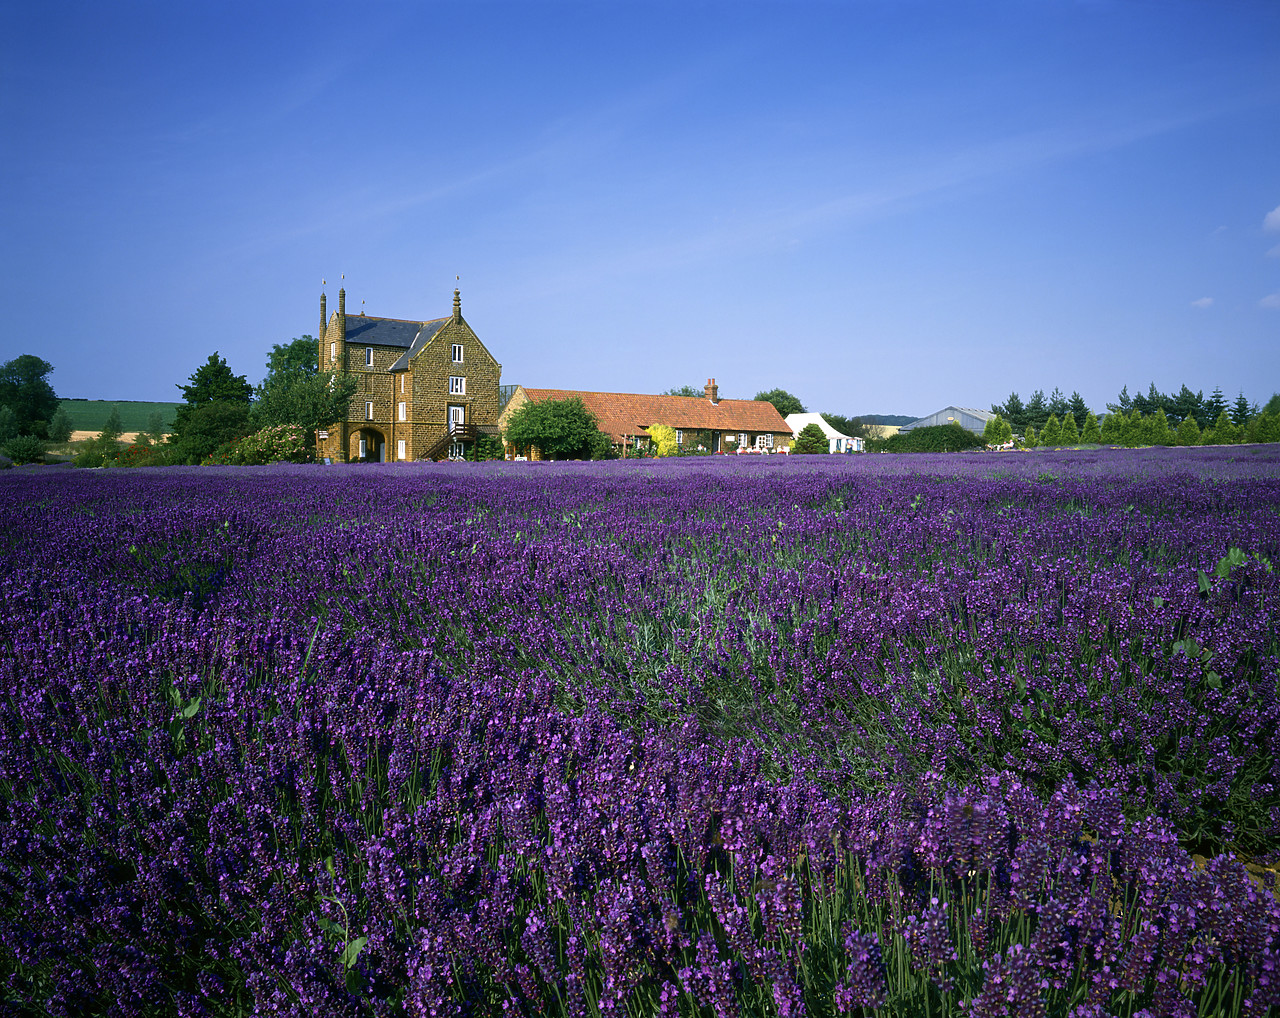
{"x": 957, "y": 735}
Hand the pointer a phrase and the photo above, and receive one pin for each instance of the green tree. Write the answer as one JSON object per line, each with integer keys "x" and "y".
{"x": 112, "y": 428}
{"x": 25, "y": 389}
{"x": 684, "y": 390}
{"x": 1111, "y": 431}
{"x": 850, "y": 426}
{"x": 209, "y": 426}
{"x": 560, "y": 428}
{"x": 1123, "y": 403}
{"x": 1079, "y": 409}
{"x": 1273, "y": 405}
{"x": 1158, "y": 431}
{"x": 1058, "y": 405}
{"x": 1090, "y": 433}
{"x": 1012, "y": 411}
{"x": 297, "y": 357}
{"x": 1029, "y": 438}
{"x": 1135, "y": 432}
{"x": 1052, "y": 433}
{"x": 1037, "y": 410}
{"x": 60, "y": 425}
{"x": 812, "y": 440}
{"x": 1188, "y": 432}
{"x": 1241, "y": 411}
{"x": 8, "y": 423}
{"x": 155, "y": 425}
{"x": 1068, "y": 434}
{"x": 782, "y": 400}
{"x": 24, "y": 449}
{"x": 1188, "y": 404}
{"x": 212, "y": 382}
{"x": 1263, "y": 427}
{"x": 1214, "y": 406}
{"x": 310, "y": 401}
{"x": 997, "y": 431}
{"x": 1223, "y": 432}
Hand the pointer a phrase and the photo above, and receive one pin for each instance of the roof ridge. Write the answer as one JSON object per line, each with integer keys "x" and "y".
{"x": 407, "y": 321}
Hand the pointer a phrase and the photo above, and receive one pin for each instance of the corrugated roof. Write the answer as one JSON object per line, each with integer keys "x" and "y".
{"x": 628, "y": 413}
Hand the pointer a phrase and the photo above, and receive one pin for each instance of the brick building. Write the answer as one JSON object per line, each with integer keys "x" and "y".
{"x": 427, "y": 389}
{"x": 719, "y": 425}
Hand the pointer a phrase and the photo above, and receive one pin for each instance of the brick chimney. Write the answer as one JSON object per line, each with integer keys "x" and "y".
{"x": 342, "y": 302}
{"x": 324, "y": 319}
{"x": 712, "y": 391}
{"x": 457, "y": 305}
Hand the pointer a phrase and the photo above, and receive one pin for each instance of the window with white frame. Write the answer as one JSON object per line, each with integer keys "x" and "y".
{"x": 402, "y": 381}
{"x": 322, "y": 434}
{"x": 679, "y": 437}
{"x": 400, "y": 449}
{"x": 333, "y": 351}
{"x": 368, "y": 356}
{"x": 764, "y": 441}
{"x": 742, "y": 438}
{"x": 457, "y": 385}
{"x": 368, "y": 411}
{"x": 400, "y": 410}
{"x": 457, "y": 353}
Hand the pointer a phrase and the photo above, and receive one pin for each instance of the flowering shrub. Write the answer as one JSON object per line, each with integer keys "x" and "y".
{"x": 882, "y": 735}
{"x": 280, "y": 443}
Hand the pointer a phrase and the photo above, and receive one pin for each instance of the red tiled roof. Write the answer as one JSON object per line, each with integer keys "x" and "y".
{"x": 627, "y": 413}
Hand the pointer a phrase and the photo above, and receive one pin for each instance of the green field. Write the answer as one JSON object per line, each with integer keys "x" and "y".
{"x": 91, "y": 414}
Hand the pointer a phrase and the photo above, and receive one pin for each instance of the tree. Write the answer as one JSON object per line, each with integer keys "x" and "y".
{"x": 663, "y": 440}
{"x": 1157, "y": 430}
{"x": 1029, "y": 438}
{"x": 1013, "y": 411}
{"x": 297, "y": 357}
{"x": 851, "y": 426}
{"x": 1037, "y": 410}
{"x": 209, "y": 426}
{"x": 1123, "y": 403}
{"x": 60, "y": 425}
{"x": 1090, "y": 433}
{"x": 1273, "y": 405}
{"x": 1188, "y": 404}
{"x": 1214, "y": 406}
{"x": 783, "y": 401}
{"x": 8, "y": 424}
{"x": 155, "y": 425}
{"x": 1058, "y": 405}
{"x": 1188, "y": 432}
{"x": 112, "y": 428}
{"x": 25, "y": 389}
{"x": 1079, "y": 409}
{"x": 684, "y": 390}
{"x": 311, "y": 401}
{"x": 812, "y": 439}
{"x": 560, "y": 429}
{"x": 1068, "y": 434}
{"x": 997, "y": 431}
{"x": 1052, "y": 433}
{"x": 1111, "y": 431}
{"x": 1223, "y": 431}
{"x": 212, "y": 382}
{"x": 1241, "y": 411}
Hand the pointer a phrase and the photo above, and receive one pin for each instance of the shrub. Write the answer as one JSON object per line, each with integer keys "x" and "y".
{"x": 663, "y": 440}
{"x": 140, "y": 454}
{"x": 812, "y": 440}
{"x": 96, "y": 451}
{"x": 280, "y": 443}
{"x": 25, "y": 449}
{"x": 938, "y": 438}
{"x": 561, "y": 429}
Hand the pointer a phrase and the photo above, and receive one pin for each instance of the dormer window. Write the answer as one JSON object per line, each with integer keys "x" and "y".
{"x": 457, "y": 353}
{"x": 368, "y": 356}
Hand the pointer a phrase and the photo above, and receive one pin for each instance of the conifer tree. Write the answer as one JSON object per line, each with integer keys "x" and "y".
{"x": 1090, "y": 434}
{"x": 1037, "y": 410}
{"x": 1052, "y": 434}
{"x": 1188, "y": 432}
{"x": 1029, "y": 438}
{"x": 1069, "y": 434}
{"x": 1214, "y": 406}
{"x": 1111, "y": 428}
{"x": 1134, "y": 432}
{"x": 1158, "y": 429}
{"x": 1079, "y": 409}
{"x": 1241, "y": 411}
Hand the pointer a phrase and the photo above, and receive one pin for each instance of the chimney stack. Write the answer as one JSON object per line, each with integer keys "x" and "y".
{"x": 712, "y": 391}
{"x": 324, "y": 318}
{"x": 342, "y": 302}
{"x": 457, "y": 305}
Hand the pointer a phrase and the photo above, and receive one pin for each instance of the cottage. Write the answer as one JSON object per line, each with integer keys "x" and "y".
{"x": 427, "y": 389}
{"x": 720, "y": 425}
{"x": 837, "y": 441}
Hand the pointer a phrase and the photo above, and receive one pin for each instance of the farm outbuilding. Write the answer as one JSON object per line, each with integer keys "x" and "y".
{"x": 967, "y": 417}
{"x": 837, "y": 442}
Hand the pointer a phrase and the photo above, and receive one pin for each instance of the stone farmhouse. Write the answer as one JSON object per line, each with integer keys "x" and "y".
{"x": 427, "y": 389}
{"x": 721, "y": 425}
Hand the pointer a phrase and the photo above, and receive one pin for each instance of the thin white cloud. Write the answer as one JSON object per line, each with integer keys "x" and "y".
{"x": 1271, "y": 300}
{"x": 1272, "y": 220}
{"x": 1203, "y": 302}
{"x": 1274, "y": 252}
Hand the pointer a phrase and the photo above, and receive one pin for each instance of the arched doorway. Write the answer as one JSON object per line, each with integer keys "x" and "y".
{"x": 369, "y": 446}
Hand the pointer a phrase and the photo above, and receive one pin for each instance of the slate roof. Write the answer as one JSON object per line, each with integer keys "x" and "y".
{"x": 424, "y": 336}
{"x": 627, "y": 413}
{"x": 363, "y": 330}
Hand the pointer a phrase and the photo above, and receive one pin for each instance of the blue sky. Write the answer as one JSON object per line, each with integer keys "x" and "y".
{"x": 883, "y": 207}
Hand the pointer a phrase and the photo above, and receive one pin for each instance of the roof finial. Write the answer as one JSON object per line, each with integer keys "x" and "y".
{"x": 457, "y": 302}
